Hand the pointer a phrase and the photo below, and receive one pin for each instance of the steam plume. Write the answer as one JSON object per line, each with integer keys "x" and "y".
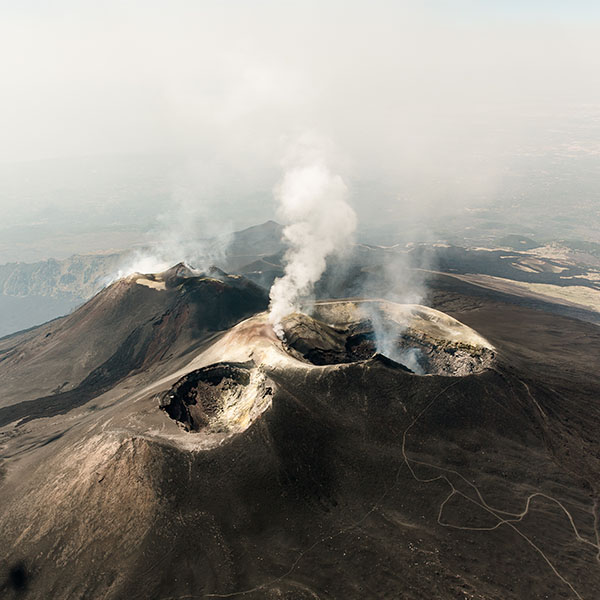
{"x": 187, "y": 231}
{"x": 312, "y": 201}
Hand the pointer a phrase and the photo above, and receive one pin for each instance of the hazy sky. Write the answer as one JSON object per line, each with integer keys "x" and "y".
{"x": 416, "y": 96}
{"x": 92, "y": 78}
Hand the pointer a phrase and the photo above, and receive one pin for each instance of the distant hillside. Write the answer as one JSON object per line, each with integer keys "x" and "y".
{"x": 33, "y": 293}
{"x": 81, "y": 276}
{"x": 517, "y": 242}
{"x": 77, "y": 276}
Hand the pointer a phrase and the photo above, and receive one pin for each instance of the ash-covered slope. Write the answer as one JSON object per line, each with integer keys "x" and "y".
{"x": 246, "y": 470}
{"x": 131, "y": 326}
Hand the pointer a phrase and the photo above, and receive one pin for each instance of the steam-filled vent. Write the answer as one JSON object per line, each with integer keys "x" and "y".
{"x": 423, "y": 341}
{"x": 221, "y": 398}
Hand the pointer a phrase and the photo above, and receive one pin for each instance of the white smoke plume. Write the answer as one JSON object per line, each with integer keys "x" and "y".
{"x": 319, "y": 222}
{"x": 190, "y": 229}
{"x": 398, "y": 276}
{"x": 388, "y": 336}
{"x": 173, "y": 247}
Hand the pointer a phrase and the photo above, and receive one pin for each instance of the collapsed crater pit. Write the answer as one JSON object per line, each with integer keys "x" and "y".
{"x": 420, "y": 339}
{"x": 220, "y": 398}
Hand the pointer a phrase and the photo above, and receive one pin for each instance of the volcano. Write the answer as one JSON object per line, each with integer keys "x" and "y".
{"x": 163, "y": 442}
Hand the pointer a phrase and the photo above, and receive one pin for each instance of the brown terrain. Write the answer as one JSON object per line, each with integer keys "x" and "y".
{"x": 161, "y": 442}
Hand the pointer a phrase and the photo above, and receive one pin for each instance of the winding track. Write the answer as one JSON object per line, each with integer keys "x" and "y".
{"x": 509, "y": 519}
{"x": 510, "y": 522}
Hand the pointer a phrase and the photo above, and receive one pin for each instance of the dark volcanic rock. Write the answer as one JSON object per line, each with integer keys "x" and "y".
{"x": 361, "y": 480}
{"x": 126, "y": 328}
{"x": 326, "y": 344}
{"x": 197, "y": 396}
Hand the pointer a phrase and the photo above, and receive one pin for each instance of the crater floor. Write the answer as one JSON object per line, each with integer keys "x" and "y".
{"x": 423, "y": 340}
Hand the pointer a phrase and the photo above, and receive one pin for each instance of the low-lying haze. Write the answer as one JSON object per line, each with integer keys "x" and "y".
{"x": 431, "y": 109}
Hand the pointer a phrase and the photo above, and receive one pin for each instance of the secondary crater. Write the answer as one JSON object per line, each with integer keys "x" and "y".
{"x": 220, "y": 398}
{"x": 422, "y": 340}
